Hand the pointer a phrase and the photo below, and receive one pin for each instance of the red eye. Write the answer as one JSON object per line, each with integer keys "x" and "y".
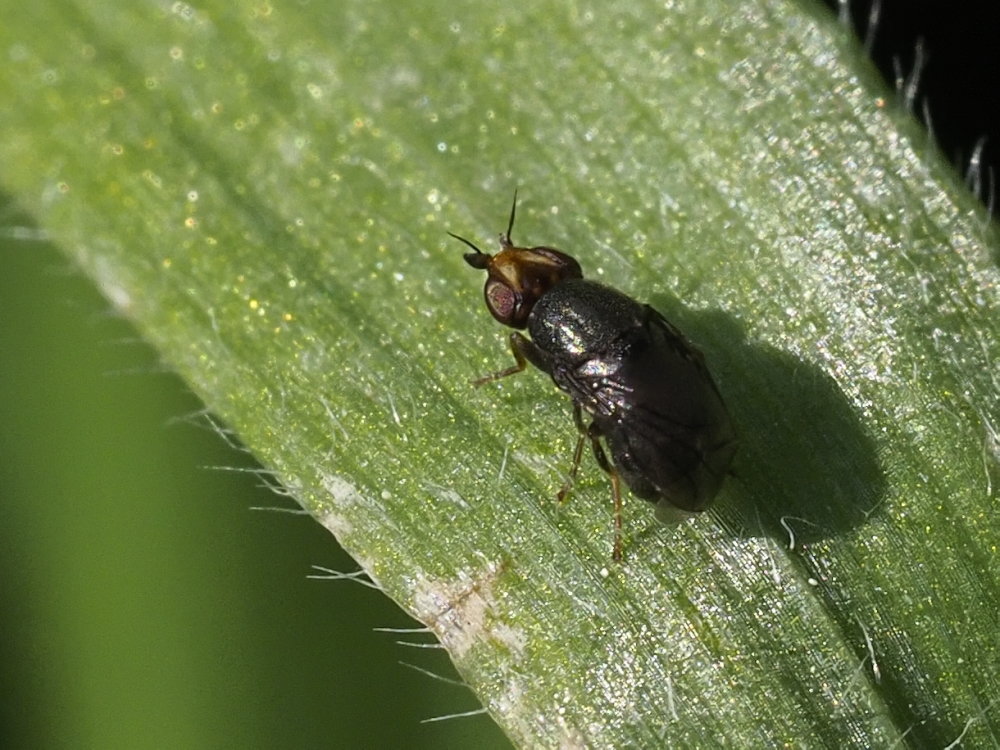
{"x": 501, "y": 301}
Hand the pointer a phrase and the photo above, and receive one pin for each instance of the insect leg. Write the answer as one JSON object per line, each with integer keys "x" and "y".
{"x": 616, "y": 494}
{"x": 616, "y": 491}
{"x": 524, "y": 351}
{"x": 577, "y": 453}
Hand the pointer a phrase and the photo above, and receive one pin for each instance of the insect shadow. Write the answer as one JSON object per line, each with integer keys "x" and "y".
{"x": 806, "y": 467}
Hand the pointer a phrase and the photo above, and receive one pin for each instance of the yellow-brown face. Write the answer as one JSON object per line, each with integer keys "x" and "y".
{"x": 518, "y": 276}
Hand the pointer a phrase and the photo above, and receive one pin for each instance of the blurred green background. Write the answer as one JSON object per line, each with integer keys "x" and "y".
{"x": 143, "y": 603}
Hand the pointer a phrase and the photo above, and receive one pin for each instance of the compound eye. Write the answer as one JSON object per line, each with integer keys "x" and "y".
{"x": 501, "y": 301}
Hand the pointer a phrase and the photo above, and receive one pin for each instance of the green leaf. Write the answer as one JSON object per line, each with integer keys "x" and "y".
{"x": 265, "y": 191}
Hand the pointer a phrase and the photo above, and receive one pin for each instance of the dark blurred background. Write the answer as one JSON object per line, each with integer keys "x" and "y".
{"x": 144, "y": 604}
{"x": 958, "y": 83}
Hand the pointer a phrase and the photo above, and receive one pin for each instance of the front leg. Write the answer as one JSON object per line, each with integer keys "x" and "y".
{"x": 524, "y": 351}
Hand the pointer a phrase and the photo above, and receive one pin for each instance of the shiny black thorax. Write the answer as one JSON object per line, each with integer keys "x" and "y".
{"x": 645, "y": 386}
